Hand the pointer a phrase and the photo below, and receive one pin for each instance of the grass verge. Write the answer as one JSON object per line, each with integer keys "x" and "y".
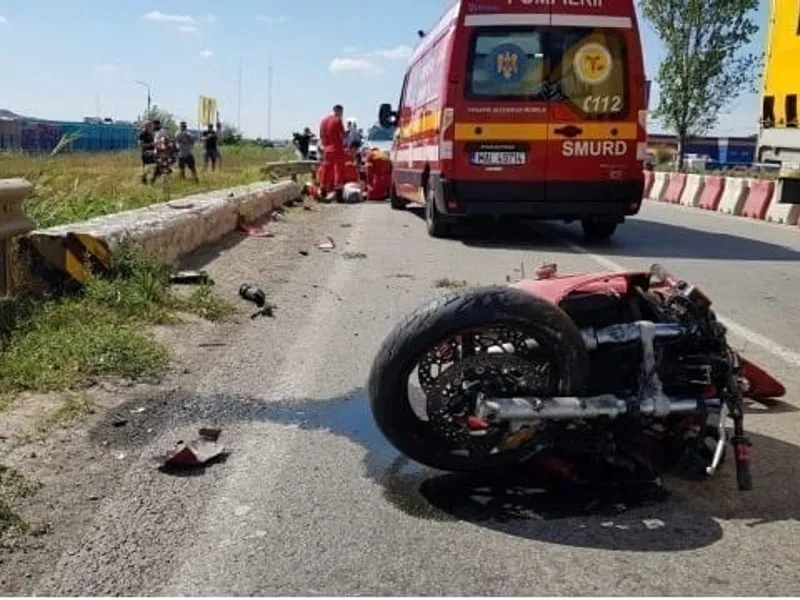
{"x": 66, "y": 343}
{"x": 77, "y": 186}
{"x": 13, "y": 488}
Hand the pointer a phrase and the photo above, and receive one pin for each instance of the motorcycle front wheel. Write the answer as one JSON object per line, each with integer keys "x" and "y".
{"x": 526, "y": 335}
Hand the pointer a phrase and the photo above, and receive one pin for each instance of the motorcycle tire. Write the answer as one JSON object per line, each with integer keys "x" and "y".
{"x": 443, "y": 318}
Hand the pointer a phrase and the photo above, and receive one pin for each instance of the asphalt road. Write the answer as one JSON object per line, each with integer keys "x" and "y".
{"x": 312, "y": 501}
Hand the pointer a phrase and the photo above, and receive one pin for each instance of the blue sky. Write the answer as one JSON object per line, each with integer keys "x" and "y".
{"x": 66, "y": 59}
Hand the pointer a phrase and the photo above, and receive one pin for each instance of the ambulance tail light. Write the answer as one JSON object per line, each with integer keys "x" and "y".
{"x": 446, "y": 133}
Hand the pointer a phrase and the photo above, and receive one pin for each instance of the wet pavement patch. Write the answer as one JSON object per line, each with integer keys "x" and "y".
{"x": 637, "y": 518}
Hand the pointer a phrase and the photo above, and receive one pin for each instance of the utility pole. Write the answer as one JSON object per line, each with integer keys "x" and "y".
{"x": 239, "y": 100}
{"x": 149, "y": 99}
{"x": 269, "y": 98}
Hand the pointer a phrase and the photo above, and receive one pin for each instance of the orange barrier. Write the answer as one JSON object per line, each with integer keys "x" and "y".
{"x": 712, "y": 193}
{"x": 649, "y": 180}
{"x": 675, "y": 187}
{"x": 758, "y": 198}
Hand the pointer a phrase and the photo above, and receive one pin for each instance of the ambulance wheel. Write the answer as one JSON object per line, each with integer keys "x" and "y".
{"x": 596, "y": 230}
{"x": 396, "y": 201}
{"x": 438, "y": 225}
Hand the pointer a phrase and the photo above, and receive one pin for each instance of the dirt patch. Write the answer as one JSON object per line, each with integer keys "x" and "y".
{"x": 58, "y": 471}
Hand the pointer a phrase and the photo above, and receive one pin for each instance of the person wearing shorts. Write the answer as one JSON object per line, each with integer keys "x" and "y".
{"x": 185, "y": 143}
{"x": 211, "y": 153}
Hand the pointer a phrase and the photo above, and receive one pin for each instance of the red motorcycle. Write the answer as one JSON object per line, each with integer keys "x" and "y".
{"x": 593, "y": 377}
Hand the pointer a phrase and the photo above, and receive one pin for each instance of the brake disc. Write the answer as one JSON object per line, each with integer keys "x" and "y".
{"x": 454, "y": 396}
{"x": 470, "y": 343}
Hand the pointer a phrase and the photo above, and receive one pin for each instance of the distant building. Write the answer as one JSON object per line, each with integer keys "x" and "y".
{"x": 779, "y": 136}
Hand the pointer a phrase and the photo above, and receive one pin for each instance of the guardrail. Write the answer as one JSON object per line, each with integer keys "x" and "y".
{"x": 13, "y": 223}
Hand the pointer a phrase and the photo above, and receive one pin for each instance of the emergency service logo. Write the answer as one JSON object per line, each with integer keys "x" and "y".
{"x": 507, "y": 63}
{"x": 593, "y": 64}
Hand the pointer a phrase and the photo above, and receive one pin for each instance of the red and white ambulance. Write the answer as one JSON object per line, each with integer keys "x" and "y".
{"x": 524, "y": 108}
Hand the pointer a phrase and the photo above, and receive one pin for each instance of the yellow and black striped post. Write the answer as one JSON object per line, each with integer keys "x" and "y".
{"x": 76, "y": 255}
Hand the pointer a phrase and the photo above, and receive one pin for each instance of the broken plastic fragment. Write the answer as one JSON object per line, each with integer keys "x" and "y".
{"x": 327, "y": 246}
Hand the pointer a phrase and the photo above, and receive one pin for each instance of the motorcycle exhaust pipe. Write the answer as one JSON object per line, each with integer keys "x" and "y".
{"x": 572, "y": 408}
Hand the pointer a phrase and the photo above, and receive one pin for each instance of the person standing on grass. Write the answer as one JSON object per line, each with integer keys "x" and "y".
{"x": 185, "y": 143}
{"x": 211, "y": 152}
{"x": 147, "y": 144}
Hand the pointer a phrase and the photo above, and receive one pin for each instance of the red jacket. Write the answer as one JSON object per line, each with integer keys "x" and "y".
{"x": 331, "y": 133}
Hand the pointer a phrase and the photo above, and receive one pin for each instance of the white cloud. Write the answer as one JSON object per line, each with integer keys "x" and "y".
{"x": 3, "y": 20}
{"x": 160, "y": 17}
{"x": 207, "y": 53}
{"x": 189, "y": 29}
{"x": 353, "y": 65}
{"x": 210, "y": 18}
{"x": 106, "y": 68}
{"x": 396, "y": 53}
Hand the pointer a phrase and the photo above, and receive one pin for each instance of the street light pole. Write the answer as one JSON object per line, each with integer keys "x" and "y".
{"x": 146, "y": 85}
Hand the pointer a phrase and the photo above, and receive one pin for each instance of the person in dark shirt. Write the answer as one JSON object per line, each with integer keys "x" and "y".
{"x": 147, "y": 144}
{"x": 211, "y": 153}
{"x": 302, "y": 142}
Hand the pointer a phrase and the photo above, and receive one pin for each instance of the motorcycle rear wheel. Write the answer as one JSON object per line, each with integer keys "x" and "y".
{"x": 445, "y": 318}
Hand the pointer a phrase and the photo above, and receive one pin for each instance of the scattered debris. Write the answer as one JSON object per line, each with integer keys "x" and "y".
{"x": 353, "y": 255}
{"x": 121, "y": 456}
{"x": 253, "y": 294}
{"x": 252, "y": 230}
{"x": 191, "y": 278}
{"x": 277, "y": 216}
{"x": 654, "y": 523}
{"x": 346, "y": 225}
{"x": 402, "y": 276}
{"x": 198, "y": 452}
{"x": 138, "y": 411}
{"x": 303, "y": 252}
{"x": 212, "y": 345}
{"x": 308, "y": 208}
{"x": 259, "y": 298}
{"x": 327, "y": 246}
{"x": 120, "y": 423}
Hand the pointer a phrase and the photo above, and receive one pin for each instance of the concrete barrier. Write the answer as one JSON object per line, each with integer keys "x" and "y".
{"x": 758, "y": 199}
{"x": 692, "y": 190}
{"x": 782, "y": 212}
{"x": 660, "y": 181}
{"x": 733, "y": 197}
{"x": 13, "y": 222}
{"x": 649, "y": 179}
{"x": 711, "y": 195}
{"x": 677, "y": 182}
{"x": 165, "y": 231}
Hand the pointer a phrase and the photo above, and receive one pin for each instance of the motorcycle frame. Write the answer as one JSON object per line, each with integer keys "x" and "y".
{"x": 651, "y": 401}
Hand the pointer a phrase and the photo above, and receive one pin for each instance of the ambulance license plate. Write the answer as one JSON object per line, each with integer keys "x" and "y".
{"x": 498, "y": 158}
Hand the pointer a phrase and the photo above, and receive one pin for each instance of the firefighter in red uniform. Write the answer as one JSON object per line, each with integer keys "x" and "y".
{"x": 331, "y": 137}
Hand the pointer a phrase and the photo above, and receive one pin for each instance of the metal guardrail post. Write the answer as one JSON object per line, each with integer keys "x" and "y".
{"x": 13, "y": 222}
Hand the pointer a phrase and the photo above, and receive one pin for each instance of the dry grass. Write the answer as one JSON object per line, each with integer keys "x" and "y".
{"x": 76, "y": 186}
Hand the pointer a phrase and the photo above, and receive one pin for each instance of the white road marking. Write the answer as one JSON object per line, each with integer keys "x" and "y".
{"x": 787, "y": 355}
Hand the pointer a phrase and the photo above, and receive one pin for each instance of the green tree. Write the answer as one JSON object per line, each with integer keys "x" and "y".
{"x": 229, "y": 134}
{"x": 167, "y": 120}
{"x": 706, "y": 64}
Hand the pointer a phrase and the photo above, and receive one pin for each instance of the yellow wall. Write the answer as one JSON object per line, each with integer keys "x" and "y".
{"x": 782, "y": 61}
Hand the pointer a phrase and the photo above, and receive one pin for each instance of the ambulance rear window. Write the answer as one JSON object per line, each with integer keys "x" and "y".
{"x": 583, "y": 67}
